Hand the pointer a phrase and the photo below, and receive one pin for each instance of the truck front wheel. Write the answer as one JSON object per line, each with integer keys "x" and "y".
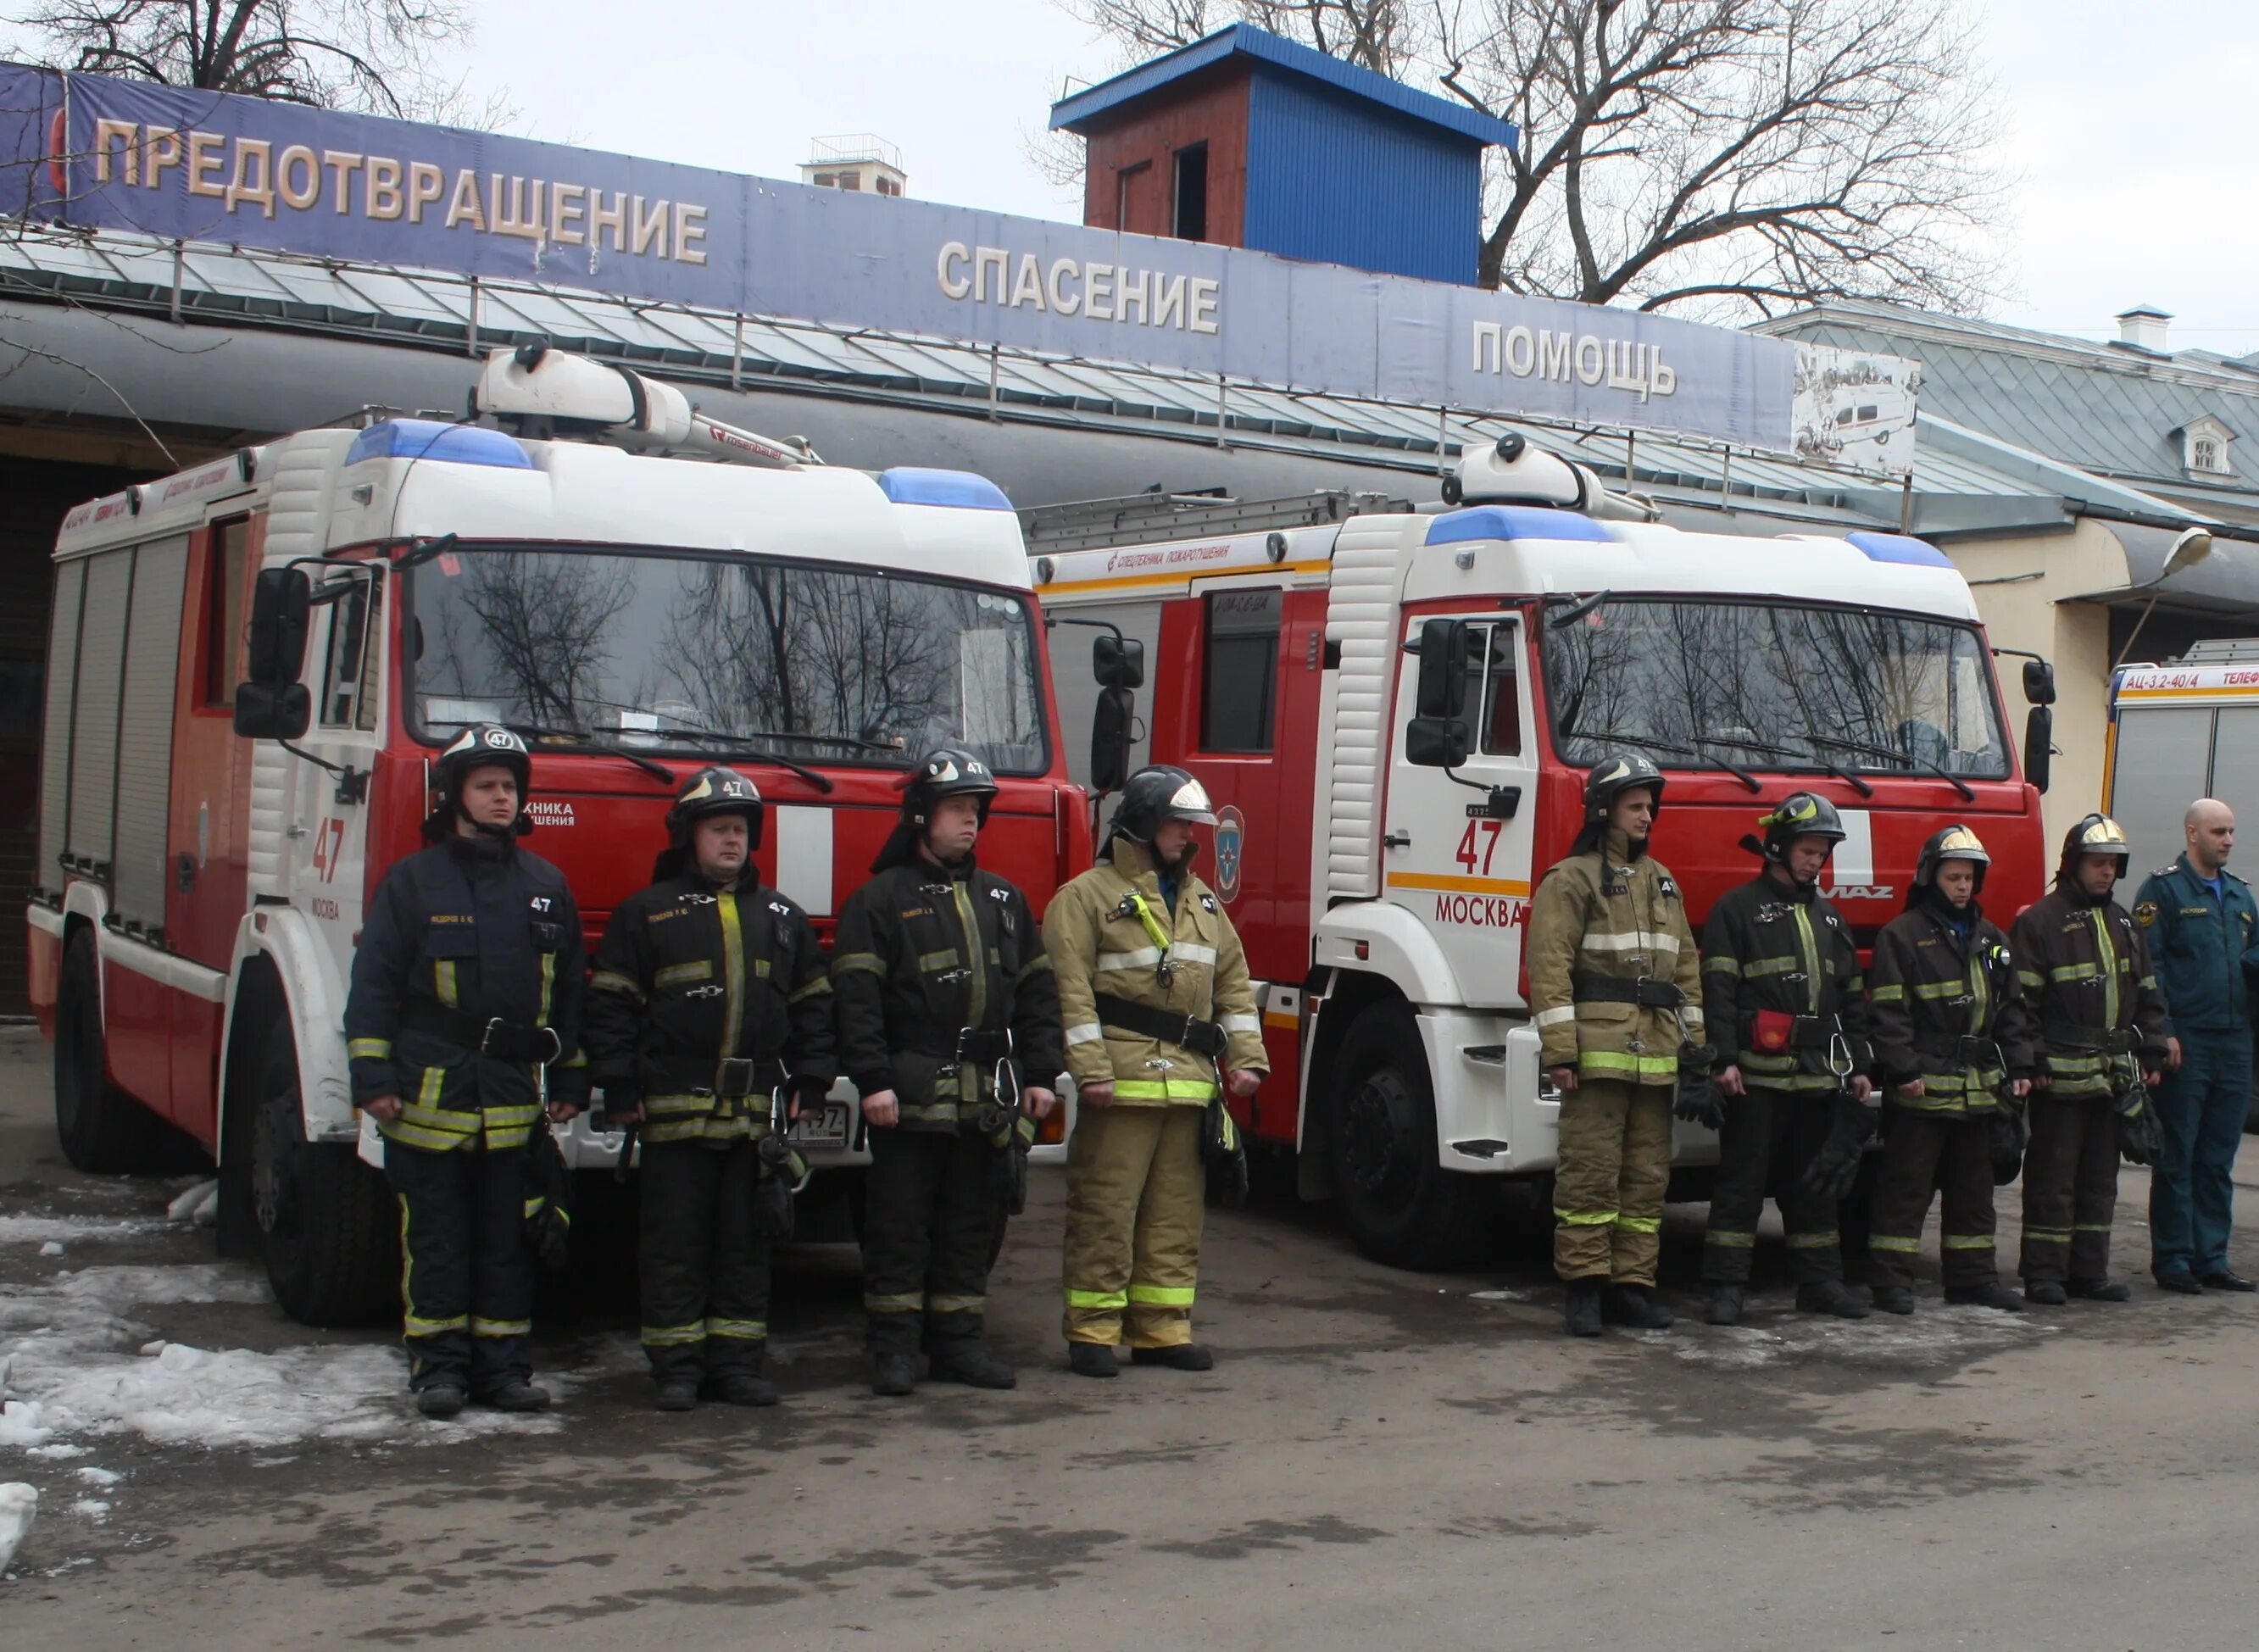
{"x": 1402, "y": 1207}
{"x": 328, "y": 1224}
{"x": 105, "y": 1131}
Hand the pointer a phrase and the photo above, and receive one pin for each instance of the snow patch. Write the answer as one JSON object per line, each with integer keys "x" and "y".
{"x": 67, "y": 1230}
{"x": 1930, "y": 1337}
{"x": 100, "y": 1477}
{"x": 52, "y": 1248}
{"x": 19, "y": 1502}
{"x": 200, "y": 1205}
{"x": 92, "y": 1508}
{"x": 195, "y": 1282}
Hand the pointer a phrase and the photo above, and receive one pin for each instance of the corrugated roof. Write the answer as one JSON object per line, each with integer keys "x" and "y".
{"x": 421, "y": 310}
{"x": 1257, "y": 45}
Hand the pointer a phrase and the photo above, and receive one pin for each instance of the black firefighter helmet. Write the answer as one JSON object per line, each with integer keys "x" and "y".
{"x": 1955, "y": 842}
{"x": 711, "y": 791}
{"x": 479, "y": 746}
{"x": 1161, "y": 792}
{"x": 2096, "y": 834}
{"x": 1799, "y": 815}
{"x": 1612, "y": 777}
{"x": 945, "y": 772}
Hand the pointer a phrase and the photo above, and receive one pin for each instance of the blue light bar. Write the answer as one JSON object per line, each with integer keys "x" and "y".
{"x": 1897, "y": 547}
{"x": 446, "y": 443}
{"x": 1513, "y": 522}
{"x": 914, "y": 485}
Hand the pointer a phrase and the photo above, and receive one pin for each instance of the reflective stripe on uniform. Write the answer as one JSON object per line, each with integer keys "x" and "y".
{"x": 2090, "y": 1226}
{"x": 1098, "y": 1302}
{"x": 1585, "y": 1218}
{"x": 945, "y": 959}
{"x": 1934, "y": 990}
{"x": 1160, "y": 1295}
{"x": 676, "y": 975}
{"x": 1617, "y": 1065}
{"x": 2047, "y": 1235}
{"x": 501, "y": 1327}
{"x": 443, "y": 981}
{"x": 369, "y": 1050}
{"x": 1639, "y": 1224}
{"x": 1088, "y": 1032}
{"x": 1814, "y": 1241}
{"x": 1143, "y": 957}
{"x": 1163, "y": 1089}
{"x": 733, "y": 972}
{"x": 955, "y": 1303}
{"x": 816, "y": 988}
{"x": 868, "y": 962}
{"x": 411, "y": 1325}
{"x": 1040, "y": 963}
{"x": 1968, "y": 1241}
{"x": 1721, "y": 963}
{"x": 1192, "y": 952}
{"x": 1240, "y": 1023}
{"x": 739, "y": 1330}
{"x": 1629, "y": 940}
{"x": 1881, "y": 1241}
{"x": 1731, "y": 1238}
{"x": 1888, "y": 992}
{"x": 673, "y": 1336}
{"x": 613, "y": 981}
{"x": 1555, "y": 1017}
{"x": 900, "y": 1302}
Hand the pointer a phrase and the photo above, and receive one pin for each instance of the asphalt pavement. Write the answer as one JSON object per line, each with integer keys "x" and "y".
{"x": 1379, "y": 1459}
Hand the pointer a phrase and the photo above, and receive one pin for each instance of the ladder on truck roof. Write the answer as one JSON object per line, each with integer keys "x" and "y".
{"x": 1097, "y": 524}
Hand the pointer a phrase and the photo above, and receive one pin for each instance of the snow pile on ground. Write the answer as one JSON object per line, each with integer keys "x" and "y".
{"x": 199, "y": 1204}
{"x": 1934, "y": 1335}
{"x": 44, "y": 1230}
{"x": 18, "y": 1503}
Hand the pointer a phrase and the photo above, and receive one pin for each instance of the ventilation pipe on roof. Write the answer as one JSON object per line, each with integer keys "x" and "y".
{"x": 2143, "y": 327}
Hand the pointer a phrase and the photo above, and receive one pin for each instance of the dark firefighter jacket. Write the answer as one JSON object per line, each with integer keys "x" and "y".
{"x": 923, "y": 954}
{"x": 1947, "y": 1013}
{"x": 470, "y": 930}
{"x": 703, "y": 1000}
{"x": 1780, "y": 979}
{"x": 2089, "y": 989}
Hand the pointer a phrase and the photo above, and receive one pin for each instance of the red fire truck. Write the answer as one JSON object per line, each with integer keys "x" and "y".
{"x": 254, "y": 662}
{"x": 1394, "y": 710}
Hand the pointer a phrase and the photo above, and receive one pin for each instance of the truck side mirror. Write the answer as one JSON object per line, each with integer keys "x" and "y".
{"x": 1435, "y": 742}
{"x": 2039, "y": 741}
{"x": 1109, "y": 737}
{"x": 1442, "y": 649}
{"x": 274, "y": 650}
{"x": 1117, "y": 662}
{"x": 268, "y": 711}
{"x": 2038, "y": 682}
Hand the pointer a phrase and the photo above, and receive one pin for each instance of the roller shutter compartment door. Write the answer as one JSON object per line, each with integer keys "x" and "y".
{"x": 144, "y": 737}
{"x": 91, "y": 837}
{"x": 54, "y": 741}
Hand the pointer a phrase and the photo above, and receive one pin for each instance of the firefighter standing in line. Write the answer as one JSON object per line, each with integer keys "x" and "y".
{"x": 2203, "y": 930}
{"x": 1781, "y": 981}
{"x": 708, "y": 1000}
{"x": 949, "y": 1026}
{"x": 1952, "y": 1044}
{"x": 1615, "y": 993}
{"x": 2099, "y": 1023}
{"x": 1160, "y": 1012}
{"x": 463, "y": 1021}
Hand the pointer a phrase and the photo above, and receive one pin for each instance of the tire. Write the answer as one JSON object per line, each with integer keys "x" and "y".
{"x": 329, "y": 1227}
{"x": 105, "y": 1131}
{"x": 1402, "y": 1208}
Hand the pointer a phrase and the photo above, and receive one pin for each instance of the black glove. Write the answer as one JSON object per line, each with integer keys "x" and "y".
{"x": 624, "y": 1097}
{"x": 548, "y": 1200}
{"x": 1699, "y": 1100}
{"x": 2007, "y": 1134}
{"x": 1852, "y": 1126}
{"x": 781, "y": 1170}
{"x": 1011, "y": 1133}
{"x": 2139, "y": 1139}
{"x": 810, "y": 1095}
{"x": 1223, "y": 1152}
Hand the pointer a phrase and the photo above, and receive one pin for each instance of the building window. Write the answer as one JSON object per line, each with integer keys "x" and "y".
{"x": 888, "y": 186}
{"x": 839, "y": 181}
{"x": 1190, "y": 219}
{"x": 1239, "y": 671}
{"x": 2203, "y": 447}
{"x": 2204, "y": 454}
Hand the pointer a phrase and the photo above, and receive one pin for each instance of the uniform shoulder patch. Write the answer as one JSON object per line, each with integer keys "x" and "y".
{"x": 1668, "y": 887}
{"x": 2167, "y": 869}
{"x": 1208, "y": 902}
{"x": 2146, "y": 914}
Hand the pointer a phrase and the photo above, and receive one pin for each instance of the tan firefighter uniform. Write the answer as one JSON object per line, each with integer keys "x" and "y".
{"x": 1613, "y": 972}
{"x": 1134, "y": 1181}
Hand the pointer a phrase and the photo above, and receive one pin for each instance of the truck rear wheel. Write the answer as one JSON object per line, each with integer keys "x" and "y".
{"x": 1403, "y": 1208}
{"x": 328, "y": 1225}
{"x": 105, "y": 1131}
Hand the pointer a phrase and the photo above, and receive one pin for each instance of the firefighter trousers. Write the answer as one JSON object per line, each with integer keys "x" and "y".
{"x": 1614, "y": 1166}
{"x": 2201, "y": 1110}
{"x": 703, "y": 1268}
{"x": 466, "y": 1277}
{"x": 2071, "y": 1188}
{"x": 1923, "y": 1153}
{"x": 1767, "y": 1140}
{"x": 1134, "y": 1193}
{"x": 930, "y": 1223}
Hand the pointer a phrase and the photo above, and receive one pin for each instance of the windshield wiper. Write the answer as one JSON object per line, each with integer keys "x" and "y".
{"x": 1652, "y": 744}
{"x": 1770, "y": 750}
{"x": 855, "y": 740}
{"x": 740, "y": 751}
{"x": 1936, "y": 769}
{"x": 595, "y": 743}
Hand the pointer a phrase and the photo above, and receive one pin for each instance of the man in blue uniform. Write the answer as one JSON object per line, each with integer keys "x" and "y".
{"x": 2203, "y": 930}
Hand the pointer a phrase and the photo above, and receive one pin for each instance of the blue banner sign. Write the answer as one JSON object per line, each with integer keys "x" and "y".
{"x": 101, "y": 153}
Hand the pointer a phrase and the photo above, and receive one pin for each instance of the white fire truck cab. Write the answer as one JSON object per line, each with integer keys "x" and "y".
{"x": 1394, "y": 710}
{"x": 254, "y": 663}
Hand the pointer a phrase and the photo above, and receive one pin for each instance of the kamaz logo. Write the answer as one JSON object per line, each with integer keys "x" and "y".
{"x": 1860, "y": 890}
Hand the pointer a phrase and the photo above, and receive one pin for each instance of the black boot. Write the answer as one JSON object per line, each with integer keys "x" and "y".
{"x": 1894, "y": 1299}
{"x": 893, "y": 1374}
{"x": 1990, "y": 1294}
{"x": 1724, "y": 1306}
{"x": 675, "y": 1393}
{"x": 440, "y": 1401}
{"x": 966, "y": 1361}
{"x": 1092, "y": 1359}
{"x": 1584, "y": 1310}
{"x": 1635, "y": 1307}
{"x": 1183, "y": 1356}
{"x": 2046, "y": 1292}
{"x": 1831, "y": 1297}
{"x": 2101, "y": 1291}
{"x": 520, "y": 1397}
{"x": 739, "y": 1388}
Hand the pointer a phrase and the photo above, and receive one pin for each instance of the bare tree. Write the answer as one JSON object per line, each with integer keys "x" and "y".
{"x": 1722, "y": 156}
{"x": 373, "y": 56}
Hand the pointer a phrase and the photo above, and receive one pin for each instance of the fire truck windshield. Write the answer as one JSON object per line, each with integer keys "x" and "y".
{"x": 1820, "y": 686}
{"x": 686, "y": 652}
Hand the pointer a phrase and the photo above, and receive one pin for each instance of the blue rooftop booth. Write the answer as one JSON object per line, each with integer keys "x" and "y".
{"x": 1247, "y": 139}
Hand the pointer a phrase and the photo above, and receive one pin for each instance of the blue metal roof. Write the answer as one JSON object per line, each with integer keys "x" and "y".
{"x": 1245, "y": 41}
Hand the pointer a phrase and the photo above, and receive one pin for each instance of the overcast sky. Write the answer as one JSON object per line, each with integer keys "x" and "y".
{"x": 2134, "y": 127}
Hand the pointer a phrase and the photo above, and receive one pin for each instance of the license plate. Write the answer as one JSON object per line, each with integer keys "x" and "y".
{"x": 825, "y": 1127}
